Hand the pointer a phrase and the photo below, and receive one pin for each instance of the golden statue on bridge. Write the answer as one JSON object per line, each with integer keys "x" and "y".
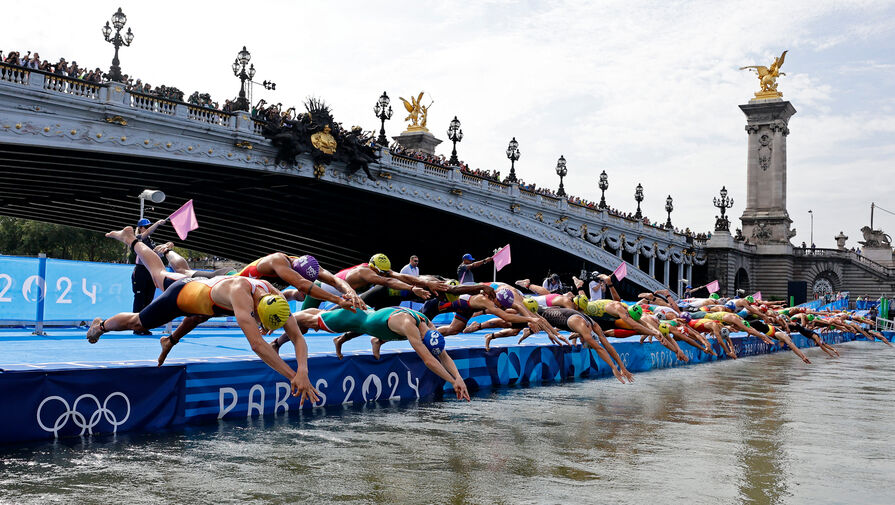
{"x": 418, "y": 113}
{"x": 768, "y": 78}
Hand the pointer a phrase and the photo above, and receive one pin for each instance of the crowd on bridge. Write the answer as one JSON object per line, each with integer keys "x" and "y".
{"x": 32, "y": 61}
{"x": 367, "y": 299}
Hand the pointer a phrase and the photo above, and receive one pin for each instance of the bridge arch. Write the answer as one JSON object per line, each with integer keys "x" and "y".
{"x": 741, "y": 281}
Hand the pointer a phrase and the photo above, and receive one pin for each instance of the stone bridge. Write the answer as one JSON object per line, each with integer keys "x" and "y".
{"x": 79, "y": 153}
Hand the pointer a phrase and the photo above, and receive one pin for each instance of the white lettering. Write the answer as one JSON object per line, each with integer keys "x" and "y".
{"x": 259, "y": 406}
{"x": 414, "y": 387}
{"x": 287, "y": 389}
{"x": 393, "y": 375}
{"x": 90, "y": 294}
{"x": 347, "y": 392}
{"x": 65, "y": 291}
{"x": 8, "y": 279}
{"x": 222, "y": 411}
{"x": 376, "y": 381}
{"x": 321, "y": 383}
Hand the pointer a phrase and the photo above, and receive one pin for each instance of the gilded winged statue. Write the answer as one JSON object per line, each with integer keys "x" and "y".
{"x": 417, "y": 113}
{"x": 768, "y": 76}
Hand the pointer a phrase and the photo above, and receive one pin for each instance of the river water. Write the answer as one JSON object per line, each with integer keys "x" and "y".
{"x": 766, "y": 429}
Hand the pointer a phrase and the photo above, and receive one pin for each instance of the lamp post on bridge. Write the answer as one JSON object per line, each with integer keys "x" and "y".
{"x": 455, "y": 134}
{"x": 561, "y": 171}
{"x": 724, "y": 203}
{"x": 118, "y": 21}
{"x": 638, "y": 196}
{"x": 669, "y": 206}
{"x": 383, "y": 111}
{"x": 244, "y": 74}
{"x": 513, "y": 154}
{"x": 812, "y": 226}
{"x": 604, "y": 185}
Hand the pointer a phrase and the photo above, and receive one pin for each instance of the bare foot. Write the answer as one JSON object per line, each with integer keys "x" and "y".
{"x": 524, "y": 283}
{"x": 95, "y": 330}
{"x": 472, "y": 327}
{"x": 488, "y": 338}
{"x": 338, "y": 343}
{"x": 525, "y": 334}
{"x": 377, "y": 344}
{"x": 125, "y": 235}
{"x": 578, "y": 282}
{"x": 167, "y": 345}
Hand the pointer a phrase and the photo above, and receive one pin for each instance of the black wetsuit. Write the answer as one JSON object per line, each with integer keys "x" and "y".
{"x": 141, "y": 282}
{"x": 559, "y": 317}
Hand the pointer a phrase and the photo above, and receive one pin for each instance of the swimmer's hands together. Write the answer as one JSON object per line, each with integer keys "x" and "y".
{"x": 301, "y": 386}
{"x": 355, "y": 300}
{"x": 489, "y": 292}
{"x": 347, "y": 304}
{"x": 437, "y": 286}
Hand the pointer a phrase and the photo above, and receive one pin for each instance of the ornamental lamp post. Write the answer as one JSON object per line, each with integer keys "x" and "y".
{"x": 561, "y": 171}
{"x": 604, "y": 185}
{"x": 638, "y": 195}
{"x": 244, "y": 74}
{"x": 513, "y": 154}
{"x": 722, "y": 223}
{"x": 669, "y": 206}
{"x": 455, "y": 134}
{"x": 118, "y": 21}
{"x": 383, "y": 111}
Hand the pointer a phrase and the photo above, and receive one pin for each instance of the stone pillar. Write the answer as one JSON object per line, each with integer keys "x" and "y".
{"x": 652, "y": 267}
{"x": 765, "y": 218}
{"x": 680, "y": 275}
{"x": 689, "y": 275}
{"x": 667, "y": 270}
{"x": 637, "y": 259}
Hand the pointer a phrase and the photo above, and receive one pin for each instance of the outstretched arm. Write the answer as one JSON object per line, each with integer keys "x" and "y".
{"x": 152, "y": 228}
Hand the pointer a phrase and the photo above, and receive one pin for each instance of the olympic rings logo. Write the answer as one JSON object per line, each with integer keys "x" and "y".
{"x": 80, "y": 420}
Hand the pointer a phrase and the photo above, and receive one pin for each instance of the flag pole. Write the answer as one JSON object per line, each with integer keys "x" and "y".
{"x": 494, "y": 265}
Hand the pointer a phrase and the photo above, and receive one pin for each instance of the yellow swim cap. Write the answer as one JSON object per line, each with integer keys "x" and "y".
{"x": 273, "y": 310}
{"x": 663, "y": 329}
{"x": 530, "y": 303}
{"x": 380, "y": 262}
{"x": 581, "y": 301}
{"x": 450, "y": 297}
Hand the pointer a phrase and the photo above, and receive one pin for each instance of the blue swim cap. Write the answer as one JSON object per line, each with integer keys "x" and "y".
{"x": 731, "y": 305}
{"x": 434, "y": 341}
{"x": 505, "y": 298}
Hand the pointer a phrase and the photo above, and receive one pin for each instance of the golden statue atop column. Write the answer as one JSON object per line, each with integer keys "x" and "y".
{"x": 768, "y": 78}
{"x": 417, "y": 113}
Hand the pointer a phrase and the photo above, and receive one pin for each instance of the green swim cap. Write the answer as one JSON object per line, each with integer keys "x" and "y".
{"x": 811, "y": 317}
{"x": 746, "y": 324}
{"x": 750, "y": 299}
{"x": 714, "y": 296}
{"x": 636, "y": 312}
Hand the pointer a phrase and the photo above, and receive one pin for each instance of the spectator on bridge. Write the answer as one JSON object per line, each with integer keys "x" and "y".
{"x": 413, "y": 267}
{"x": 141, "y": 279}
{"x": 464, "y": 271}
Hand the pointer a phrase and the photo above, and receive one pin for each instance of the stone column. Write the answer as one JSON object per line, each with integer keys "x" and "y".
{"x": 652, "y": 267}
{"x": 765, "y": 218}
{"x": 667, "y": 270}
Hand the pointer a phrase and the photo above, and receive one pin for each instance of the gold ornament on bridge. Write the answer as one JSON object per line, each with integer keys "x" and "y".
{"x": 418, "y": 113}
{"x": 323, "y": 141}
{"x": 768, "y": 78}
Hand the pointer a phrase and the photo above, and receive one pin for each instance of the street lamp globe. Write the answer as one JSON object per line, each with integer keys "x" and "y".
{"x": 107, "y": 31}
{"x": 119, "y": 19}
{"x": 129, "y": 37}
{"x": 243, "y": 56}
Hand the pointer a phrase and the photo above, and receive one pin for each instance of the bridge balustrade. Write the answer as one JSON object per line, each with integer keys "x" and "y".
{"x": 257, "y": 126}
{"x": 70, "y": 86}
{"x": 207, "y": 115}
{"x": 153, "y": 103}
{"x": 14, "y": 74}
{"x": 435, "y": 170}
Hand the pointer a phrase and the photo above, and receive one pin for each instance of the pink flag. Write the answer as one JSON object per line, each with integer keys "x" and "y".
{"x": 757, "y": 295}
{"x": 502, "y": 257}
{"x": 713, "y": 286}
{"x": 184, "y": 220}
{"x": 621, "y": 271}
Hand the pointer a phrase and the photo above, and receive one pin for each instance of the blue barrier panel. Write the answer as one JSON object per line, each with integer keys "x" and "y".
{"x": 20, "y": 288}
{"x": 78, "y": 290}
{"x": 83, "y": 402}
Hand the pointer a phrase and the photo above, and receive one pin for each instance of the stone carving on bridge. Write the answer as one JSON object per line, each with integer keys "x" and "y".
{"x": 874, "y": 238}
{"x": 317, "y": 134}
{"x": 764, "y": 152}
{"x": 768, "y": 78}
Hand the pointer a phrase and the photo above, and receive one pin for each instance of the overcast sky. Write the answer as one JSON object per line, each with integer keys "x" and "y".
{"x": 647, "y": 91}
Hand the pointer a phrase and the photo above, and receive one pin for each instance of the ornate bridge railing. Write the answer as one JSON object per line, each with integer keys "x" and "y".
{"x": 846, "y": 255}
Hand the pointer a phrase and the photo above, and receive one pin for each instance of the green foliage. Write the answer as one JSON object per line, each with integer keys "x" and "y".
{"x": 23, "y": 237}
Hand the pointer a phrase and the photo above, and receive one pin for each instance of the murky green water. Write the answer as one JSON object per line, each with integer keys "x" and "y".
{"x": 760, "y": 430}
